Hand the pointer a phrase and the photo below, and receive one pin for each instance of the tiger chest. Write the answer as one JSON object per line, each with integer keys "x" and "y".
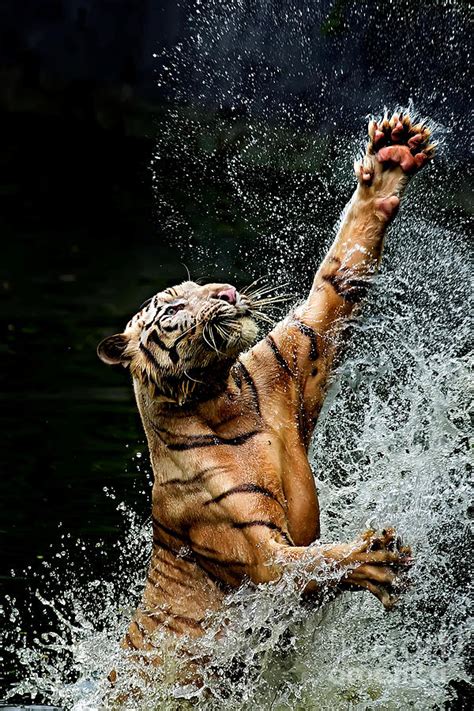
{"x": 301, "y": 496}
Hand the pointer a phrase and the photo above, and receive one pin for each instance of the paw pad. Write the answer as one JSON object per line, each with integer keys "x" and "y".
{"x": 399, "y": 141}
{"x": 388, "y": 206}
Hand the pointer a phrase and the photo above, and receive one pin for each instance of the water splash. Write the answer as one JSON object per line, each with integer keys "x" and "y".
{"x": 391, "y": 444}
{"x": 390, "y": 448}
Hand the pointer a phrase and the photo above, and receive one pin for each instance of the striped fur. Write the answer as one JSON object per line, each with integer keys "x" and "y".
{"x": 228, "y": 427}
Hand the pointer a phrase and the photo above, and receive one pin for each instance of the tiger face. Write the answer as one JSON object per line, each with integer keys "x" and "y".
{"x": 183, "y": 337}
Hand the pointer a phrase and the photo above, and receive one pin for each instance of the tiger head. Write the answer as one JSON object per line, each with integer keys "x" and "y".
{"x": 184, "y": 340}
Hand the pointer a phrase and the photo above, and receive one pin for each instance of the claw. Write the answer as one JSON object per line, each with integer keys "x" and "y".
{"x": 397, "y": 131}
{"x": 394, "y": 120}
{"x": 407, "y": 142}
{"x": 380, "y": 565}
{"x": 420, "y": 159}
{"x": 378, "y": 136}
{"x": 390, "y": 601}
{"x": 372, "y": 128}
{"x": 415, "y": 141}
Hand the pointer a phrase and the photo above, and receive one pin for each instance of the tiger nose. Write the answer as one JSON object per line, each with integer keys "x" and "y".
{"x": 229, "y": 295}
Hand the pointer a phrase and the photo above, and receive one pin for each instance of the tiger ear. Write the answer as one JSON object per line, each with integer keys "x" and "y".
{"x": 112, "y": 350}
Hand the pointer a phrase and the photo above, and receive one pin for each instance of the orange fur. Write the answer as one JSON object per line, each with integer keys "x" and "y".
{"x": 234, "y": 498}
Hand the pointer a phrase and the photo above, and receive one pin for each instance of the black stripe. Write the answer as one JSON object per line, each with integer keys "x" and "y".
{"x": 150, "y": 356}
{"x": 171, "y": 350}
{"x": 249, "y": 524}
{"x": 174, "y": 562}
{"x": 172, "y": 579}
{"x": 155, "y": 583}
{"x": 169, "y": 531}
{"x": 312, "y": 335}
{"x": 278, "y": 356}
{"x": 169, "y": 329}
{"x": 350, "y": 290}
{"x": 244, "y": 489}
{"x": 160, "y": 544}
{"x": 249, "y": 380}
{"x": 213, "y": 441}
{"x": 194, "y": 480}
{"x": 237, "y": 378}
{"x": 195, "y": 441}
{"x": 173, "y": 354}
{"x": 222, "y": 562}
{"x": 268, "y": 524}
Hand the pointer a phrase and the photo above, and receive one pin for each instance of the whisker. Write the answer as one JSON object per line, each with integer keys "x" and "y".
{"x": 269, "y": 287}
{"x": 228, "y": 322}
{"x": 221, "y": 331}
{"x": 186, "y": 332}
{"x": 266, "y": 290}
{"x": 207, "y": 342}
{"x": 187, "y": 270}
{"x": 194, "y": 380}
{"x": 263, "y": 317}
{"x": 249, "y": 286}
{"x": 212, "y": 345}
{"x": 273, "y": 299}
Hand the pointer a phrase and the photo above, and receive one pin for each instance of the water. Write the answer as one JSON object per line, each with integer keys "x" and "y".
{"x": 391, "y": 446}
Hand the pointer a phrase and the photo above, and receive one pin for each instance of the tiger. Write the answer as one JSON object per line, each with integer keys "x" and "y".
{"x": 229, "y": 416}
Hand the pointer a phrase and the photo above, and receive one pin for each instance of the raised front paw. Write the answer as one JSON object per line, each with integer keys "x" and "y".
{"x": 396, "y": 141}
{"x": 399, "y": 141}
{"x": 398, "y": 146}
{"x": 379, "y": 564}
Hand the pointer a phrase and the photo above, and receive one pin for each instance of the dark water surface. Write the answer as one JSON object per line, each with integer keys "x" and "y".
{"x": 79, "y": 251}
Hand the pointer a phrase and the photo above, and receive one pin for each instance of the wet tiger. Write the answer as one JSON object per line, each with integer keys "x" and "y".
{"x": 229, "y": 423}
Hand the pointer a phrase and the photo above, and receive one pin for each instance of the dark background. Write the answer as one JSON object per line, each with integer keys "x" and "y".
{"x": 83, "y": 242}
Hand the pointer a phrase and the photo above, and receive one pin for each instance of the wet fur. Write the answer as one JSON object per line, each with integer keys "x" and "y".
{"x": 228, "y": 426}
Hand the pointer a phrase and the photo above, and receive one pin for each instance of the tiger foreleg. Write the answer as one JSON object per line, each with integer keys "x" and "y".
{"x": 373, "y": 562}
{"x": 396, "y": 149}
